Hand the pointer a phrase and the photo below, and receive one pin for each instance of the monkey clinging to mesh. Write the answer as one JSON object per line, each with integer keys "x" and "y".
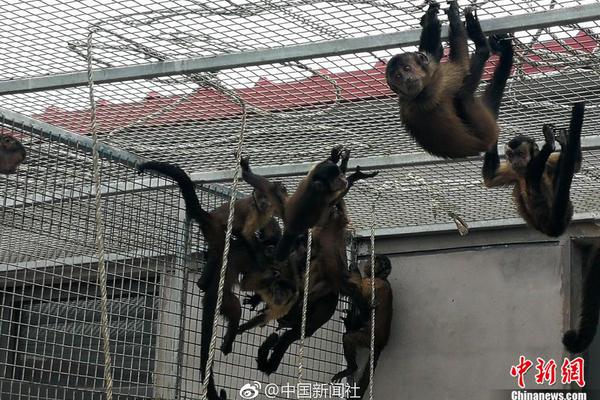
{"x": 541, "y": 178}
{"x": 12, "y": 154}
{"x": 437, "y": 100}
{"x": 358, "y": 327}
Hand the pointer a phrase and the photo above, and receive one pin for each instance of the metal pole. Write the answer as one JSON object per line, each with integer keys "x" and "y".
{"x": 562, "y": 16}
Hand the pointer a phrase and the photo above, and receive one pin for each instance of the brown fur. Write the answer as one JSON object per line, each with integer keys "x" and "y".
{"x": 437, "y": 102}
{"x": 358, "y": 334}
{"x": 12, "y": 154}
{"x": 316, "y": 192}
{"x": 541, "y": 179}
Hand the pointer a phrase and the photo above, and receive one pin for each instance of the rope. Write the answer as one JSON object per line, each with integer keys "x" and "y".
{"x": 304, "y": 306}
{"x": 372, "y": 356}
{"x": 234, "y": 185}
{"x": 102, "y": 275}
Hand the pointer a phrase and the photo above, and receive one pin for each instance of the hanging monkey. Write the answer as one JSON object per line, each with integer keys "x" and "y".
{"x": 437, "y": 100}
{"x": 329, "y": 278}
{"x": 578, "y": 340}
{"x": 248, "y": 256}
{"x": 358, "y": 325}
{"x": 12, "y": 154}
{"x": 324, "y": 184}
{"x": 542, "y": 179}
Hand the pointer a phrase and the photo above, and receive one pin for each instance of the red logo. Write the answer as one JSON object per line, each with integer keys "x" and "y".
{"x": 571, "y": 371}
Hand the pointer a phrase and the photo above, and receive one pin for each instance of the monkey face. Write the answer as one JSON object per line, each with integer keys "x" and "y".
{"x": 407, "y": 73}
{"x": 12, "y": 153}
{"x": 328, "y": 177}
{"x": 270, "y": 234}
{"x": 383, "y": 267}
{"x": 282, "y": 293}
{"x": 261, "y": 201}
{"x": 519, "y": 152}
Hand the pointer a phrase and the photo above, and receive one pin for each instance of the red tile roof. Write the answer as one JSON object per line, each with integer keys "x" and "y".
{"x": 206, "y": 104}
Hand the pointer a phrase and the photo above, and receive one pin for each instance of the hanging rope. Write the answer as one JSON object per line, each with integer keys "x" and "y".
{"x": 372, "y": 355}
{"x": 304, "y": 306}
{"x": 102, "y": 275}
{"x": 234, "y": 185}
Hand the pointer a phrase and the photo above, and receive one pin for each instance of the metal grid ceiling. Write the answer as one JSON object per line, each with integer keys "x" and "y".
{"x": 295, "y": 116}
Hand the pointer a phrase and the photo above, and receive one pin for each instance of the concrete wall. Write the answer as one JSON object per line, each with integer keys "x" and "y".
{"x": 467, "y": 307}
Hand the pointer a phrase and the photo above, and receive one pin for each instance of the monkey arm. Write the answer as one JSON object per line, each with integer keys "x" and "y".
{"x": 358, "y": 175}
{"x": 431, "y": 35}
{"x": 256, "y": 181}
{"x": 537, "y": 165}
{"x": 457, "y": 36}
{"x": 496, "y": 173}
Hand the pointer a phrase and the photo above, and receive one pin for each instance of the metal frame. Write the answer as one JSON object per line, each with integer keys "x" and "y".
{"x": 206, "y": 178}
{"x": 542, "y": 19}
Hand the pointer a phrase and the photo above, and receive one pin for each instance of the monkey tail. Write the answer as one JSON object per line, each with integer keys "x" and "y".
{"x": 208, "y": 315}
{"x": 192, "y": 204}
{"x": 365, "y": 378}
{"x": 577, "y": 340}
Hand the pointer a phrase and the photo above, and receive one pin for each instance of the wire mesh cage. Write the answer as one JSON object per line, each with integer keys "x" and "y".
{"x": 172, "y": 82}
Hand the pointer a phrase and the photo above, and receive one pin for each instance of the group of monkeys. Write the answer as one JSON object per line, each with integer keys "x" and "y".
{"x": 438, "y": 107}
{"x": 271, "y": 263}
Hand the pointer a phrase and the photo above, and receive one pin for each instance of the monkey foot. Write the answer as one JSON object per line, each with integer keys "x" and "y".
{"x": 341, "y": 375}
{"x": 227, "y": 346}
{"x": 245, "y": 163}
{"x": 561, "y": 137}
{"x": 473, "y": 28}
{"x": 500, "y": 43}
{"x": 453, "y": 10}
{"x": 549, "y": 137}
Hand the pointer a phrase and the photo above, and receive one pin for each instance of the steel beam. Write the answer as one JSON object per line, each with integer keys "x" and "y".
{"x": 61, "y": 135}
{"x": 560, "y": 16}
{"x": 450, "y": 227}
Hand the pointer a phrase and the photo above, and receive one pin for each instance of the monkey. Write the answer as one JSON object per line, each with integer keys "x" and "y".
{"x": 578, "y": 340}
{"x": 272, "y": 350}
{"x": 358, "y": 326}
{"x": 437, "y": 102}
{"x": 275, "y": 192}
{"x": 542, "y": 180}
{"x": 324, "y": 183}
{"x": 281, "y": 295}
{"x": 329, "y": 278}
{"x": 12, "y": 154}
{"x": 252, "y": 214}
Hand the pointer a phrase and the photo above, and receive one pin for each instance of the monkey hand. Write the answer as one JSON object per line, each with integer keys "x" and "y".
{"x": 549, "y": 135}
{"x": 431, "y": 13}
{"x": 561, "y": 137}
{"x": 253, "y": 301}
{"x": 335, "y": 153}
{"x": 341, "y": 375}
{"x": 245, "y": 163}
{"x": 500, "y": 43}
{"x": 363, "y": 175}
{"x": 345, "y": 154}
